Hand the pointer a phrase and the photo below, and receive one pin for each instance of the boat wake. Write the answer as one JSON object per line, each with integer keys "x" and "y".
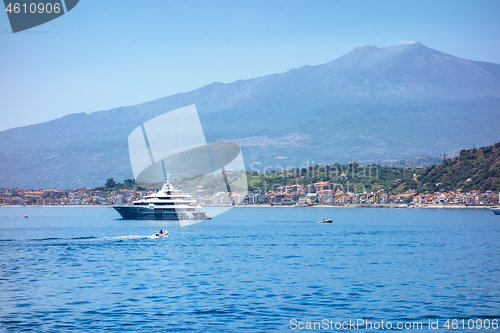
{"x": 132, "y": 237}
{"x": 86, "y": 239}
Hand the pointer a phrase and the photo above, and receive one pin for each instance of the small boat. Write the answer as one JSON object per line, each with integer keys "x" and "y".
{"x": 161, "y": 233}
{"x": 496, "y": 210}
{"x": 326, "y": 221}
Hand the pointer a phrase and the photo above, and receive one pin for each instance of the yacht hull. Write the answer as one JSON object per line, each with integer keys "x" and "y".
{"x": 134, "y": 213}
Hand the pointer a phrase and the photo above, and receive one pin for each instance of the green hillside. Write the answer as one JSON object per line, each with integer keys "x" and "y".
{"x": 474, "y": 169}
{"x": 347, "y": 178}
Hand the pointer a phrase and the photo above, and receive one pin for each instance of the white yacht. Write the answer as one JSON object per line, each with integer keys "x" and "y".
{"x": 166, "y": 204}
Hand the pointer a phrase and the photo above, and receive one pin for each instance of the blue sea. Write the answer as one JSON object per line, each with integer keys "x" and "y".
{"x": 82, "y": 269}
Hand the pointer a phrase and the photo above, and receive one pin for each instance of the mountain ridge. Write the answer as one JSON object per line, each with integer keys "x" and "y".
{"x": 214, "y": 88}
{"x": 394, "y": 102}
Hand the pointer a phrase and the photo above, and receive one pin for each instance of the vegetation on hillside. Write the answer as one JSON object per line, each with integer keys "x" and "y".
{"x": 111, "y": 185}
{"x": 474, "y": 169}
{"x": 347, "y": 178}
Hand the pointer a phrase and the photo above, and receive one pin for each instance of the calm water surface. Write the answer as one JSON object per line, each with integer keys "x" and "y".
{"x": 250, "y": 269}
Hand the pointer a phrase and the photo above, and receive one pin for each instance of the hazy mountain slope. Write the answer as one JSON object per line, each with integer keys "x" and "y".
{"x": 373, "y": 104}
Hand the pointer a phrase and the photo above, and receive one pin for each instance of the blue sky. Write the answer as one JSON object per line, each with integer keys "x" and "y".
{"x": 110, "y": 53}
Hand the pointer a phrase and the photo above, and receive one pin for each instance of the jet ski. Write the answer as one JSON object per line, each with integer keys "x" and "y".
{"x": 161, "y": 233}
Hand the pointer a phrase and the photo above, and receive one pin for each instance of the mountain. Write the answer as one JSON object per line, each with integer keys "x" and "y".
{"x": 375, "y": 105}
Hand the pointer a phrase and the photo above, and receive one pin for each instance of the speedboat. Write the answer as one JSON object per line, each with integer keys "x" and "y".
{"x": 161, "y": 233}
{"x": 166, "y": 204}
{"x": 496, "y": 210}
{"x": 326, "y": 221}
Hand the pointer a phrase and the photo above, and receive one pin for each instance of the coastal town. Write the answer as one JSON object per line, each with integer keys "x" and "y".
{"x": 469, "y": 180}
{"x": 316, "y": 194}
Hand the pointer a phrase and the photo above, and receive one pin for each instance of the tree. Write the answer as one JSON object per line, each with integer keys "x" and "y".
{"x": 110, "y": 182}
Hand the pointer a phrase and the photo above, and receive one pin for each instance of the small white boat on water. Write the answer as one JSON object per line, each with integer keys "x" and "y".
{"x": 326, "y": 221}
{"x": 496, "y": 210}
{"x": 161, "y": 233}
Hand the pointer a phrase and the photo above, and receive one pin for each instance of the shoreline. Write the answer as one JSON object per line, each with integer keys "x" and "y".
{"x": 397, "y": 206}
{"x": 393, "y": 206}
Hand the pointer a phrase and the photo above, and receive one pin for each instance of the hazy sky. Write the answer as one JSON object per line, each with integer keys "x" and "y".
{"x": 109, "y": 53}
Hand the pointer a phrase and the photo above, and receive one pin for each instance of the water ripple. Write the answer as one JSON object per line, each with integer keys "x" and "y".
{"x": 249, "y": 270}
